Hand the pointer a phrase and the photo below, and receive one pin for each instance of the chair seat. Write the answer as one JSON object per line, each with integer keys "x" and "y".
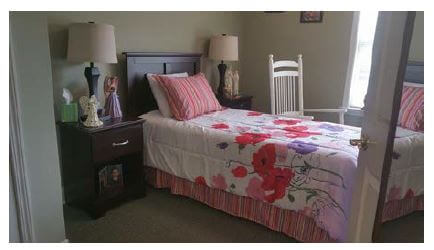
{"x": 297, "y": 115}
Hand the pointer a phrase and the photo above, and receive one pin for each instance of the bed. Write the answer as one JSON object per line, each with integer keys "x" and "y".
{"x": 292, "y": 176}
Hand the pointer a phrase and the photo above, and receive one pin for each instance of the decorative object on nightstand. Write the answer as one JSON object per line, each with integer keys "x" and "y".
{"x": 103, "y": 166}
{"x": 112, "y": 106}
{"x": 69, "y": 109}
{"x": 237, "y": 102}
{"x": 91, "y": 42}
{"x": 231, "y": 84}
{"x": 90, "y": 107}
{"x": 228, "y": 84}
{"x": 223, "y": 48}
{"x": 235, "y": 83}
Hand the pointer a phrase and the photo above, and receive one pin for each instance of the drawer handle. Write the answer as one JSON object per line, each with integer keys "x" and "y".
{"x": 117, "y": 144}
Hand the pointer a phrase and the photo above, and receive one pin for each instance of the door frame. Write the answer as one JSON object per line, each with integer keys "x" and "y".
{"x": 387, "y": 163}
{"x": 16, "y": 157}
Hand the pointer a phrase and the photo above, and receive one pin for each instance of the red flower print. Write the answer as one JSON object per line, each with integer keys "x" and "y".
{"x": 298, "y": 131}
{"x": 200, "y": 180}
{"x": 264, "y": 159}
{"x": 219, "y": 182}
{"x": 254, "y": 189}
{"x": 297, "y": 135}
{"x": 274, "y": 179}
{"x": 220, "y": 126}
{"x": 277, "y": 175}
{"x": 296, "y": 128}
{"x": 279, "y": 193}
{"x": 239, "y": 172}
{"x": 254, "y": 113}
{"x": 277, "y": 180}
{"x": 409, "y": 194}
{"x": 251, "y": 138}
{"x": 286, "y": 122}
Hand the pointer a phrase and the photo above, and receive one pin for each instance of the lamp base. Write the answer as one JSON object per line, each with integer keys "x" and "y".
{"x": 92, "y": 74}
{"x": 222, "y": 70}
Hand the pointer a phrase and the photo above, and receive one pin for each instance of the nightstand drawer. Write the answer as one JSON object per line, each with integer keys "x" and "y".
{"x": 114, "y": 143}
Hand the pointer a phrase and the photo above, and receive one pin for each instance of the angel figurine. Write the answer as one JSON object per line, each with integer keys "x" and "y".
{"x": 91, "y": 110}
{"x": 84, "y": 100}
{"x": 112, "y": 106}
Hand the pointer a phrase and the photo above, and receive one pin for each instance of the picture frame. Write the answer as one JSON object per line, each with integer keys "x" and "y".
{"x": 115, "y": 176}
{"x": 311, "y": 16}
{"x": 110, "y": 179}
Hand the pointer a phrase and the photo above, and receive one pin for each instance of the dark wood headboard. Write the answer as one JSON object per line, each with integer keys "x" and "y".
{"x": 139, "y": 96}
{"x": 414, "y": 72}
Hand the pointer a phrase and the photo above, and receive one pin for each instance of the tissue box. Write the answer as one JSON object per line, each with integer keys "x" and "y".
{"x": 70, "y": 112}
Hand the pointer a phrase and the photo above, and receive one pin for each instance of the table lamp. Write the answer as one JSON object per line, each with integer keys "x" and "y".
{"x": 224, "y": 48}
{"x": 91, "y": 42}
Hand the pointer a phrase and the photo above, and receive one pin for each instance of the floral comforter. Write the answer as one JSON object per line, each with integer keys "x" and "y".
{"x": 299, "y": 165}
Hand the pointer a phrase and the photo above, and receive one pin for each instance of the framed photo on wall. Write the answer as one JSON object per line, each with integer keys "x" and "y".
{"x": 311, "y": 16}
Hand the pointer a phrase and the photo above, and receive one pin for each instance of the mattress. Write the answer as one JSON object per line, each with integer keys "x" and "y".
{"x": 303, "y": 166}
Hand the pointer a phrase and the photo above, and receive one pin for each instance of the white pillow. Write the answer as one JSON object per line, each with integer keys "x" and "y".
{"x": 159, "y": 94}
{"x": 413, "y": 84}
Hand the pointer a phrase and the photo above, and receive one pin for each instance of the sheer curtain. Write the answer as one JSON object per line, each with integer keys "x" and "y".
{"x": 362, "y": 59}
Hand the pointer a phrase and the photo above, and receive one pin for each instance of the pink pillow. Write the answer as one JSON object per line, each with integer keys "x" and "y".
{"x": 412, "y": 108}
{"x": 189, "y": 97}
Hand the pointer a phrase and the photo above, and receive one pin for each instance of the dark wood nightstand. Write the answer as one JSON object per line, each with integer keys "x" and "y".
{"x": 239, "y": 102}
{"x": 87, "y": 151}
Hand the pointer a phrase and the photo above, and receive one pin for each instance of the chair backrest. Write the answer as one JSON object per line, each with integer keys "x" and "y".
{"x": 286, "y": 86}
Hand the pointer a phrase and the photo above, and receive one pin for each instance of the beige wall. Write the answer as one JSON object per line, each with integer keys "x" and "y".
{"x": 325, "y": 48}
{"x": 416, "y": 46}
{"x": 140, "y": 32}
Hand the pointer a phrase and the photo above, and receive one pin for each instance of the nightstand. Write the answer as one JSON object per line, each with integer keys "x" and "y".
{"x": 88, "y": 154}
{"x": 239, "y": 102}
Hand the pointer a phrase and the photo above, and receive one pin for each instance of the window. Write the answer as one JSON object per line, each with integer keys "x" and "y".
{"x": 362, "y": 58}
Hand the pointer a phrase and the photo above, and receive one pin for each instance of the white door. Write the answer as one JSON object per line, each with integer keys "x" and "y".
{"x": 389, "y": 58}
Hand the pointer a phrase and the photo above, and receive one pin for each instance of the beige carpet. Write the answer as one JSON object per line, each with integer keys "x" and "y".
{"x": 163, "y": 217}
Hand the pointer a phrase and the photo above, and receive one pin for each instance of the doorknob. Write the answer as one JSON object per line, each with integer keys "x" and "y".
{"x": 361, "y": 143}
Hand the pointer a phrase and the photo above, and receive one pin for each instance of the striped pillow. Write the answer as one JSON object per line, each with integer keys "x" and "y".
{"x": 189, "y": 97}
{"x": 412, "y": 108}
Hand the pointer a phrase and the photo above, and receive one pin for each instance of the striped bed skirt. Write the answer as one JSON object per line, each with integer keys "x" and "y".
{"x": 290, "y": 223}
{"x": 398, "y": 208}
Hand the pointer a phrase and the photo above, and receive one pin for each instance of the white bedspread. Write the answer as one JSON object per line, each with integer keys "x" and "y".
{"x": 304, "y": 166}
{"x": 406, "y": 176}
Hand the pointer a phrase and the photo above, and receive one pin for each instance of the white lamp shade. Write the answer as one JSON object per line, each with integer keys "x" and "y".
{"x": 224, "y": 47}
{"x": 91, "y": 42}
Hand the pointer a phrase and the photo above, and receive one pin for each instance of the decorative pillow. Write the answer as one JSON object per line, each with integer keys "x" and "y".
{"x": 189, "y": 96}
{"x": 159, "y": 95}
{"x": 412, "y": 108}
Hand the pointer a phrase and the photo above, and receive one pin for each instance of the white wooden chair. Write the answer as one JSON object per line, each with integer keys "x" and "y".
{"x": 286, "y": 86}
